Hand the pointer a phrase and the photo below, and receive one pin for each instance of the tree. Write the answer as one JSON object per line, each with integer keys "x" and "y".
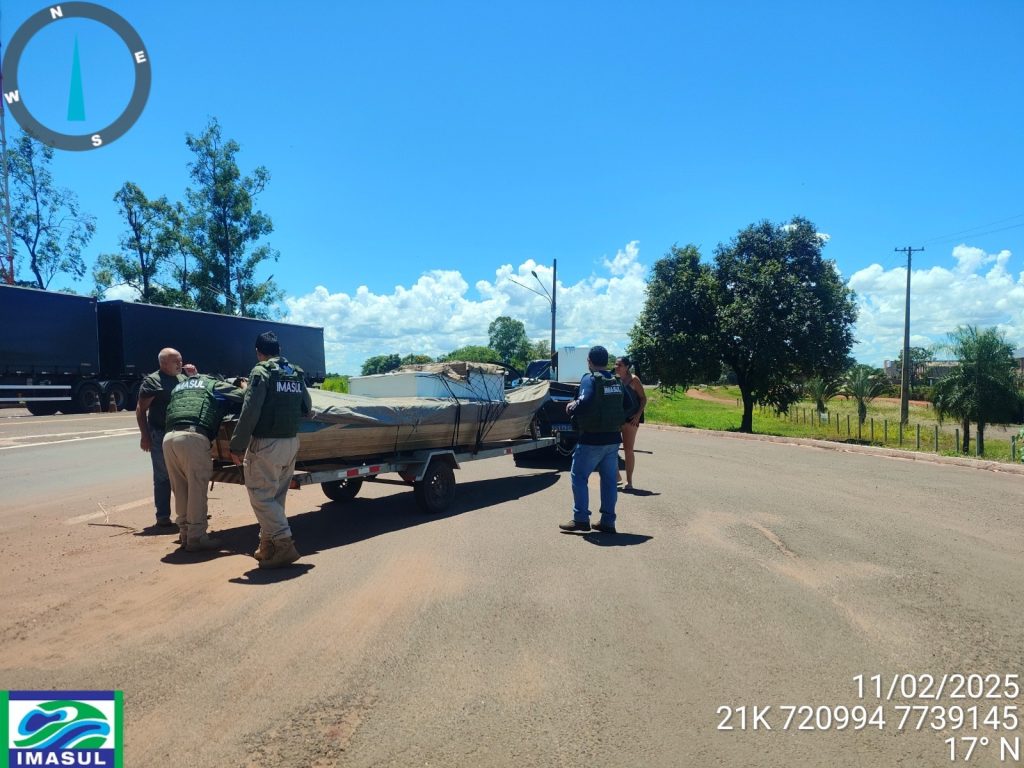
{"x": 147, "y": 246}
{"x": 472, "y": 354}
{"x": 863, "y": 383}
{"x": 223, "y": 225}
{"x": 380, "y": 364}
{"x": 983, "y": 386}
{"x": 821, "y": 389}
{"x": 46, "y": 219}
{"x": 771, "y": 309}
{"x": 417, "y": 359}
{"x": 675, "y": 337}
{"x": 508, "y": 338}
{"x": 541, "y": 350}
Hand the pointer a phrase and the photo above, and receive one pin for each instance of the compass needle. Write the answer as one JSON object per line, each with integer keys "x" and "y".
{"x": 76, "y": 97}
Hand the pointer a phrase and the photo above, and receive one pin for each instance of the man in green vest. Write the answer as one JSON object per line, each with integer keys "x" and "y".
{"x": 194, "y": 412}
{"x": 265, "y": 443}
{"x": 598, "y": 411}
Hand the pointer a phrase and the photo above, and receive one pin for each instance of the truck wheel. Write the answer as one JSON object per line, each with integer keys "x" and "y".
{"x": 437, "y": 488}
{"x": 133, "y": 396}
{"x": 88, "y": 397}
{"x": 342, "y": 490}
{"x": 117, "y": 393}
{"x": 42, "y": 409}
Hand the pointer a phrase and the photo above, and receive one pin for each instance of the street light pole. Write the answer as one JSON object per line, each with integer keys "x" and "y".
{"x": 554, "y": 293}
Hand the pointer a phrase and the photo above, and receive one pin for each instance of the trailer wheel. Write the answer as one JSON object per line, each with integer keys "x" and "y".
{"x": 342, "y": 490}
{"x": 117, "y": 393}
{"x": 437, "y": 488}
{"x": 88, "y": 397}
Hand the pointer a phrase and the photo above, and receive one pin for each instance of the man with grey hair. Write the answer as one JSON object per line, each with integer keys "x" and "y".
{"x": 151, "y": 414}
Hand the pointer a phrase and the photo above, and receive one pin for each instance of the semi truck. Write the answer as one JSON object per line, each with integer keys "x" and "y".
{"x": 75, "y": 354}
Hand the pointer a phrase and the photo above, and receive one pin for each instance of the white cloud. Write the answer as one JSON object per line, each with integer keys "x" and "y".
{"x": 978, "y": 289}
{"x": 122, "y": 292}
{"x": 437, "y": 314}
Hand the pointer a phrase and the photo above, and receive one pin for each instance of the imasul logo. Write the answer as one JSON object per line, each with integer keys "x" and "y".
{"x": 63, "y": 728}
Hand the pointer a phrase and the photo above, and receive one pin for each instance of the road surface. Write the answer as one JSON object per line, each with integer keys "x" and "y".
{"x": 746, "y": 574}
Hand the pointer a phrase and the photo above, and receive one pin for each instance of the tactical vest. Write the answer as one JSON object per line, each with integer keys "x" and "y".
{"x": 193, "y": 404}
{"x": 282, "y": 406}
{"x": 607, "y": 412}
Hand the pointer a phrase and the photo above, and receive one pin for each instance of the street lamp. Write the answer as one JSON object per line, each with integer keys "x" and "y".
{"x": 551, "y": 297}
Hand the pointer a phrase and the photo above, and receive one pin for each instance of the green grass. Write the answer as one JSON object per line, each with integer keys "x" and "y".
{"x": 336, "y": 384}
{"x": 802, "y": 421}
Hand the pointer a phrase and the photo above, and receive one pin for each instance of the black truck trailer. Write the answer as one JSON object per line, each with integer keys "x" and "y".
{"x": 76, "y": 354}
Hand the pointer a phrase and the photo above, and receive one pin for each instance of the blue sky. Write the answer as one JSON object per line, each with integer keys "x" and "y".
{"x": 421, "y": 154}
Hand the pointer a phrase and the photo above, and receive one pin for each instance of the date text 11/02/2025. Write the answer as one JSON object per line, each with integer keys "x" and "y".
{"x": 971, "y": 703}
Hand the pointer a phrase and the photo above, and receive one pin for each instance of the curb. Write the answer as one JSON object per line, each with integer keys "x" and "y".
{"x": 829, "y": 445}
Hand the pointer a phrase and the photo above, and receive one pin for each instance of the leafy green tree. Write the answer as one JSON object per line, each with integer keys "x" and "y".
{"x": 380, "y": 364}
{"x": 541, "y": 350}
{"x": 45, "y": 219}
{"x": 417, "y": 359}
{"x": 508, "y": 338}
{"x": 472, "y": 354}
{"x": 983, "y": 386}
{"x": 771, "y": 309}
{"x": 863, "y": 383}
{"x": 146, "y": 246}
{"x": 224, "y": 227}
{"x": 675, "y": 337}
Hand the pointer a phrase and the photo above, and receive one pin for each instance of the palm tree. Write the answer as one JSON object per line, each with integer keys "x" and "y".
{"x": 863, "y": 383}
{"x": 982, "y": 388}
{"x": 821, "y": 389}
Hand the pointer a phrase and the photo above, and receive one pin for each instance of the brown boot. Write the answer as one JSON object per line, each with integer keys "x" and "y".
{"x": 202, "y": 544}
{"x": 282, "y": 553}
{"x": 266, "y": 548}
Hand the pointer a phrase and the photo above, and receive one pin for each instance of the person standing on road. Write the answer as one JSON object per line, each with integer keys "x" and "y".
{"x": 150, "y": 413}
{"x": 197, "y": 405}
{"x": 265, "y": 444}
{"x": 629, "y": 428}
{"x": 598, "y": 411}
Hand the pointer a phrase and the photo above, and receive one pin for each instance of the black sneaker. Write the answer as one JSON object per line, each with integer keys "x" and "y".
{"x": 604, "y": 528}
{"x": 574, "y": 525}
{"x": 165, "y": 522}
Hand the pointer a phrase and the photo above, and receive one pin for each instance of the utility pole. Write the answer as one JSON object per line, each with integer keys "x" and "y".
{"x": 905, "y": 382}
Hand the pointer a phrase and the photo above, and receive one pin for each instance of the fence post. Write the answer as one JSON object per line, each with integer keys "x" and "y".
{"x": 977, "y": 444}
{"x": 1013, "y": 448}
{"x": 859, "y": 426}
{"x": 872, "y": 430}
{"x": 847, "y": 425}
{"x": 901, "y": 434}
{"x": 919, "y": 437}
{"x": 837, "y": 424}
{"x": 956, "y": 436}
{"x": 936, "y": 438}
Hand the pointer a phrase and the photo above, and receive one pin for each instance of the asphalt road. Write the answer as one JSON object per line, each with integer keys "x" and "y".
{"x": 747, "y": 573}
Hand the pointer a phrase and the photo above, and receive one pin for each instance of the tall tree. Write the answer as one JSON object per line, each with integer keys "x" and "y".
{"x": 771, "y": 309}
{"x": 508, "y": 338}
{"x": 225, "y": 226}
{"x": 380, "y": 364}
{"x": 983, "y": 386}
{"x": 146, "y": 246}
{"x": 45, "y": 219}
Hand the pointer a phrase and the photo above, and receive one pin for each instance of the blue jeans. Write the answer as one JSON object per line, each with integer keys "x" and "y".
{"x": 161, "y": 482}
{"x": 585, "y": 459}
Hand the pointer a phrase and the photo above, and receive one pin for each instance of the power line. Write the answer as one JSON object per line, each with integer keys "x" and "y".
{"x": 970, "y": 231}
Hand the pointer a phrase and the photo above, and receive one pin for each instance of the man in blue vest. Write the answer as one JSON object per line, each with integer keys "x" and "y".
{"x": 265, "y": 443}
{"x": 598, "y": 411}
{"x": 194, "y": 412}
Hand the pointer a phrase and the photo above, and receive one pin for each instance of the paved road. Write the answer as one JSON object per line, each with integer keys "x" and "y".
{"x": 749, "y": 573}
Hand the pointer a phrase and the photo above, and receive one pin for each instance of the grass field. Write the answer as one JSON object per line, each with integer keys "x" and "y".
{"x": 721, "y": 408}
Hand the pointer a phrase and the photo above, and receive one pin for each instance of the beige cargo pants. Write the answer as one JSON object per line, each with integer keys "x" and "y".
{"x": 269, "y": 464}
{"x": 187, "y": 456}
